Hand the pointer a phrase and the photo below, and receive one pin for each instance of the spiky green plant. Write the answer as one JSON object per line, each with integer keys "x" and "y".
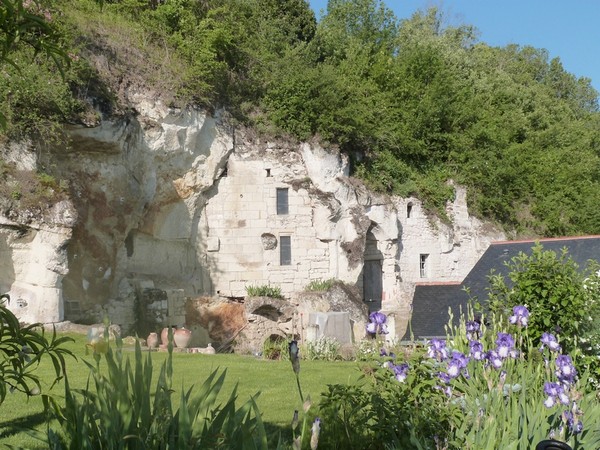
{"x": 320, "y": 285}
{"x": 119, "y": 410}
{"x": 264, "y": 290}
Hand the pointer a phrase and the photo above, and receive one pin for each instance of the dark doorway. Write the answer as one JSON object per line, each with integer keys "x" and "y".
{"x": 372, "y": 284}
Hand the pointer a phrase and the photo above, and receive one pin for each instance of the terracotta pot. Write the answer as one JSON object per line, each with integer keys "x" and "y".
{"x": 152, "y": 340}
{"x": 182, "y": 337}
{"x": 164, "y": 336}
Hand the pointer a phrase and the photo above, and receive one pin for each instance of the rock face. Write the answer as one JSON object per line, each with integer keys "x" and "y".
{"x": 33, "y": 241}
{"x": 339, "y": 298}
{"x": 183, "y": 202}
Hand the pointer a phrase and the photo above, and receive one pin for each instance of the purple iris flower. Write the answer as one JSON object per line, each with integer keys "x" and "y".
{"x": 555, "y": 391}
{"x": 377, "y": 323}
{"x": 520, "y": 316}
{"x": 494, "y": 359}
{"x": 576, "y": 426}
{"x": 457, "y": 364}
{"x": 437, "y": 350}
{"x": 565, "y": 370}
{"x": 377, "y": 317}
{"x": 549, "y": 340}
{"x": 505, "y": 344}
{"x": 476, "y": 350}
{"x": 383, "y": 352}
{"x": 446, "y": 388}
{"x": 444, "y": 377}
{"x": 473, "y": 328}
{"x": 401, "y": 371}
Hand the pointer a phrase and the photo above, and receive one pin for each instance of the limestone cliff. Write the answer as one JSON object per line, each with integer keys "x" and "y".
{"x": 183, "y": 202}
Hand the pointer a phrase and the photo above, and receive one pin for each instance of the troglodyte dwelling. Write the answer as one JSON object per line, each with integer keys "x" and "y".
{"x": 182, "y": 203}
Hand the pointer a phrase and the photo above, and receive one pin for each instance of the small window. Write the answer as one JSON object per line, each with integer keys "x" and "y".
{"x": 285, "y": 250}
{"x": 423, "y": 265}
{"x": 409, "y": 210}
{"x": 268, "y": 172}
{"x": 282, "y": 201}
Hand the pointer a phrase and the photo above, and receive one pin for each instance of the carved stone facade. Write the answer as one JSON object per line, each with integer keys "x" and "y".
{"x": 181, "y": 202}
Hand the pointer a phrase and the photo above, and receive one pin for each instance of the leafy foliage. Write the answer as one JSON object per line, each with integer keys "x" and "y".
{"x": 27, "y": 25}
{"x": 275, "y": 347}
{"x": 321, "y": 285}
{"x": 509, "y": 403}
{"x": 457, "y": 396}
{"x": 264, "y": 290}
{"x": 562, "y": 298}
{"x": 119, "y": 410}
{"x": 21, "y": 350}
{"x": 324, "y": 348}
{"x": 378, "y": 411}
{"x": 414, "y": 103}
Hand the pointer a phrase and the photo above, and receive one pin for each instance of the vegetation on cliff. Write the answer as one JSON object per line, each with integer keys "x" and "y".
{"x": 414, "y": 102}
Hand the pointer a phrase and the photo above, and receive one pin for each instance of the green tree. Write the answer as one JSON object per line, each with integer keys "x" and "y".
{"x": 561, "y": 297}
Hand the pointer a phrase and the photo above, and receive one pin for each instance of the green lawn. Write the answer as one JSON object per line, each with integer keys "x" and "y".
{"x": 273, "y": 379}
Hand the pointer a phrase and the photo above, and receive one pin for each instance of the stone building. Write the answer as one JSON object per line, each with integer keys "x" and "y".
{"x": 183, "y": 203}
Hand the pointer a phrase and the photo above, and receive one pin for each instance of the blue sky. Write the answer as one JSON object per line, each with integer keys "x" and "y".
{"x": 568, "y": 29}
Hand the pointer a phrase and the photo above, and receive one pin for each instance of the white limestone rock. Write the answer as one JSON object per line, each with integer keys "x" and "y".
{"x": 182, "y": 200}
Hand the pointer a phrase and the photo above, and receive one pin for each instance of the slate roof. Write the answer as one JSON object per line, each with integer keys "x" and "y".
{"x": 431, "y": 301}
{"x": 430, "y": 309}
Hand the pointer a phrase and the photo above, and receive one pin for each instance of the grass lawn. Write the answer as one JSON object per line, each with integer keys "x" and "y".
{"x": 273, "y": 379}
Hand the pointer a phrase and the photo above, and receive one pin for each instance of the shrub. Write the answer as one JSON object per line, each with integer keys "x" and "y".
{"x": 324, "y": 348}
{"x": 320, "y": 285}
{"x": 118, "y": 409}
{"x": 264, "y": 291}
{"x": 562, "y": 298}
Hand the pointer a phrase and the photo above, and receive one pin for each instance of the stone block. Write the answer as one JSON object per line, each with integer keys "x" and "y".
{"x": 275, "y": 277}
{"x": 315, "y": 265}
{"x": 254, "y": 277}
{"x": 212, "y": 244}
{"x": 238, "y": 286}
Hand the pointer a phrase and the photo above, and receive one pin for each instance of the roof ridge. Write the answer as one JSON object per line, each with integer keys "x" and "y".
{"x": 556, "y": 239}
{"x": 438, "y": 283}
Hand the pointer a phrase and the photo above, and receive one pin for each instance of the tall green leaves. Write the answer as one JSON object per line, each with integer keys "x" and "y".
{"x": 119, "y": 410}
{"x": 22, "y": 349}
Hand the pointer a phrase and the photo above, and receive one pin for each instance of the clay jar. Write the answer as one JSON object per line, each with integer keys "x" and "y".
{"x": 152, "y": 340}
{"x": 182, "y": 337}
{"x": 164, "y": 337}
